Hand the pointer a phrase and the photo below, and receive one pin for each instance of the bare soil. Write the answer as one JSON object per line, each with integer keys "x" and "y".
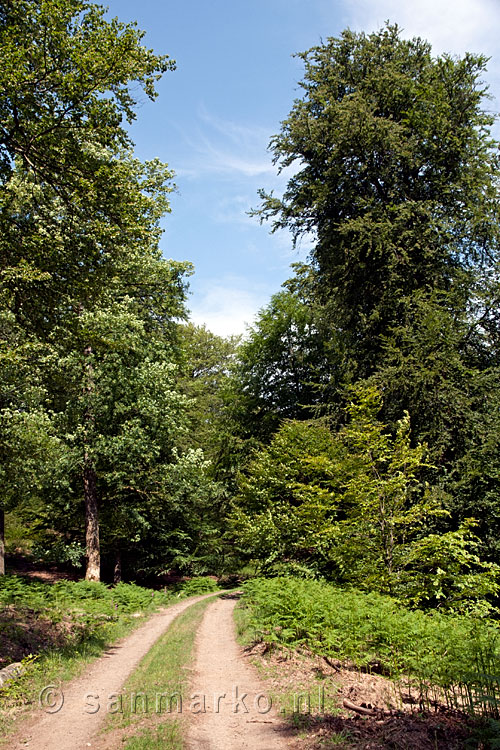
{"x": 25, "y": 631}
{"x": 394, "y": 723}
{"x": 230, "y": 708}
{"x": 76, "y": 724}
{"x": 21, "y": 565}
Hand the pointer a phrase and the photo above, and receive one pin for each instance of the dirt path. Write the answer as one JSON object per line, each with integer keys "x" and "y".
{"x": 229, "y": 707}
{"x": 74, "y": 725}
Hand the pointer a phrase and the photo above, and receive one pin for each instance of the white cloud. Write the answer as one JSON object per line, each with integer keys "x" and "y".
{"x": 452, "y": 26}
{"x": 241, "y": 135}
{"x": 234, "y": 209}
{"x": 225, "y": 162}
{"x": 219, "y": 159}
{"x": 226, "y": 148}
{"x": 227, "y": 306}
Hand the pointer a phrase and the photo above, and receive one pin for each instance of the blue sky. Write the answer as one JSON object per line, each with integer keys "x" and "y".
{"x": 235, "y": 82}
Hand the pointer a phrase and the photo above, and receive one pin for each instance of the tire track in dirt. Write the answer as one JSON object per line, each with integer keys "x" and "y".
{"x": 73, "y": 727}
{"x": 230, "y": 709}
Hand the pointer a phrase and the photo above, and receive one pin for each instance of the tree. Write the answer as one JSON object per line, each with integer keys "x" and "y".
{"x": 285, "y": 506}
{"x": 205, "y": 376}
{"x": 284, "y": 362}
{"x": 29, "y": 450}
{"x": 396, "y": 178}
{"x": 351, "y": 505}
{"x": 67, "y": 77}
{"x": 79, "y": 217}
{"x": 127, "y": 424}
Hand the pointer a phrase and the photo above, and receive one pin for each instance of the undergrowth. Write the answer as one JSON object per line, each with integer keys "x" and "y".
{"x": 89, "y": 596}
{"x": 54, "y": 629}
{"x": 439, "y": 658}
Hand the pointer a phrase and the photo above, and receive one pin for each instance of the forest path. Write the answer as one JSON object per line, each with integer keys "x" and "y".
{"x": 229, "y": 706}
{"x": 73, "y": 727}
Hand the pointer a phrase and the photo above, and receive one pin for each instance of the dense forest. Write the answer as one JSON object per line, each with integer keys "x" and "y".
{"x": 353, "y": 435}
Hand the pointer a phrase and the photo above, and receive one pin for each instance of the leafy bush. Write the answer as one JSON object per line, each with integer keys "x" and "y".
{"x": 444, "y": 657}
{"x": 59, "y": 552}
{"x": 352, "y": 506}
{"x": 200, "y": 585}
{"x": 92, "y": 597}
{"x": 89, "y": 596}
{"x": 129, "y": 597}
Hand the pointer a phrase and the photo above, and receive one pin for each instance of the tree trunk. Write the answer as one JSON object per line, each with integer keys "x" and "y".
{"x": 117, "y": 573}
{"x": 91, "y": 523}
{"x": 2, "y": 542}
{"x": 93, "y": 572}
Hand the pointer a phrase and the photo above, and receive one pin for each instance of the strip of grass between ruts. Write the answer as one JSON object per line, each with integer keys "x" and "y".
{"x": 148, "y": 715}
{"x": 67, "y": 624}
{"x": 442, "y": 657}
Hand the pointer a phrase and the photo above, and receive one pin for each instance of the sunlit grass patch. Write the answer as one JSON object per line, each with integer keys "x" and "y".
{"x": 154, "y": 697}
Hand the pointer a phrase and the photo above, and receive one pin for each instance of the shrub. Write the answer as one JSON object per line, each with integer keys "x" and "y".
{"x": 445, "y": 657}
{"x": 199, "y": 585}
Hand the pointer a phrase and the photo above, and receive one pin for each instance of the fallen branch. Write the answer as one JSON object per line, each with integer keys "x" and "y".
{"x": 334, "y": 665}
{"x": 359, "y": 709}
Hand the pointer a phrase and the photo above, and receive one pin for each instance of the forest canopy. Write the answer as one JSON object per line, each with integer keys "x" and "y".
{"x": 353, "y": 434}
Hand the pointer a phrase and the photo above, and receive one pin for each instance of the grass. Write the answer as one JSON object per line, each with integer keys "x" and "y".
{"x": 65, "y": 625}
{"x": 157, "y": 689}
{"x": 164, "y": 737}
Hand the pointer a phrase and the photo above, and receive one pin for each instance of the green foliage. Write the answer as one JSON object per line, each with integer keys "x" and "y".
{"x": 349, "y": 505}
{"x": 199, "y": 585}
{"x": 283, "y": 363}
{"x": 444, "y": 657}
{"x": 180, "y": 528}
{"x": 385, "y": 542}
{"x": 205, "y": 376}
{"x": 90, "y": 596}
{"x": 28, "y": 446}
{"x": 396, "y": 178}
{"x": 286, "y": 507}
{"x": 486, "y": 736}
{"x": 59, "y": 552}
{"x": 69, "y": 77}
{"x": 205, "y": 372}
{"x": 89, "y": 308}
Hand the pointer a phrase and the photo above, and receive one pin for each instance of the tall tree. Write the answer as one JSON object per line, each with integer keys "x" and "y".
{"x": 284, "y": 362}
{"x": 67, "y": 79}
{"x": 79, "y": 218}
{"x": 207, "y": 363}
{"x": 122, "y": 427}
{"x": 396, "y": 177}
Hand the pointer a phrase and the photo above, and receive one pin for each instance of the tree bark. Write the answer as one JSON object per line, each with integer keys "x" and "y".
{"x": 2, "y": 542}
{"x": 117, "y": 573}
{"x": 93, "y": 572}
